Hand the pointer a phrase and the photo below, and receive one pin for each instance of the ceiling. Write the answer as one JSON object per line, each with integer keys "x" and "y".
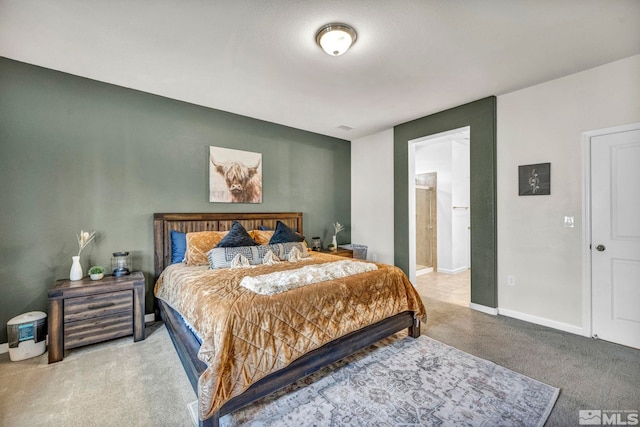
{"x": 259, "y": 59}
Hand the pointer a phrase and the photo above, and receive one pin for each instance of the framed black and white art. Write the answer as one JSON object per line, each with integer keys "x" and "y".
{"x": 534, "y": 180}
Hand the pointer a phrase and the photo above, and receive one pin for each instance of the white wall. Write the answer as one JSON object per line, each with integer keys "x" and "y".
{"x": 372, "y": 195}
{"x": 460, "y": 197}
{"x": 541, "y": 124}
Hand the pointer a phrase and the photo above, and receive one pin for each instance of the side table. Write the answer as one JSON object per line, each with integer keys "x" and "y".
{"x": 347, "y": 253}
{"x": 86, "y": 312}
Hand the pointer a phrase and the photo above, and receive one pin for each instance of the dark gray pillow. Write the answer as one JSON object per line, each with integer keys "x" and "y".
{"x": 284, "y": 234}
{"x": 236, "y": 237}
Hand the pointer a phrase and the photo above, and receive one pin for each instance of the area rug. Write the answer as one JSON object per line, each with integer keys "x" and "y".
{"x": 408, "y": 382}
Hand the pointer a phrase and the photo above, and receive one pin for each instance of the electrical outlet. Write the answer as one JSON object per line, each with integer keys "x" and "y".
{"x": 511, "y": 280}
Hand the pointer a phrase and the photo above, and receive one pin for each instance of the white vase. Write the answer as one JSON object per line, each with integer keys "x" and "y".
{"x": 335, "y": 243}
{"x": 76, "y": 269}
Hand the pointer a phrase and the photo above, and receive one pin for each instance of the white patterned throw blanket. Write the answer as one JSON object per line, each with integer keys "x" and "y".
{"x": 282, "y": 281}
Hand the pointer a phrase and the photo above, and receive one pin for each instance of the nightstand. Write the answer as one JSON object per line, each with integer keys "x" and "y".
{"x": 86, "y": 312}
{"x": 347, "y": 253}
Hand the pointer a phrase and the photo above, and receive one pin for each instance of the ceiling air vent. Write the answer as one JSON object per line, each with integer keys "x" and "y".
{"x": 345, "y": 127}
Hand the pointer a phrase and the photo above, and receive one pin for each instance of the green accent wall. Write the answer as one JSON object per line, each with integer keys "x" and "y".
{"x": 481, "y": 117}
{"x": 76, "y": 153}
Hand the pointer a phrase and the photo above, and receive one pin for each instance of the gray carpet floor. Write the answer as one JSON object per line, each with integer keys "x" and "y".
{"x": 591, "y": 374}
{"x": 143, "y": 384}
{"x": 116, "y": 383}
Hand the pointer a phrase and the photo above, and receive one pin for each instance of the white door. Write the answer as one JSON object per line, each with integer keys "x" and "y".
{"x": 615, "y": 237}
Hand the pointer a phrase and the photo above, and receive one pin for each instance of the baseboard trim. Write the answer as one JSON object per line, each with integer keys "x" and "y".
{"x": 454, "y": 271}
{"x": 4, "y": 348}
{"x": 424, "y": 271}
{"x": 483, "y": 308}
{"x": 542, "y": 321}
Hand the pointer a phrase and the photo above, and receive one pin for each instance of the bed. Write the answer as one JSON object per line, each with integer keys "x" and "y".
{"x": 282, "y": 370}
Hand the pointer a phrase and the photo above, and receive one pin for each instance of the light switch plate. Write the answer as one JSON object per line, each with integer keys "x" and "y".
{"x": 569, "y": 222}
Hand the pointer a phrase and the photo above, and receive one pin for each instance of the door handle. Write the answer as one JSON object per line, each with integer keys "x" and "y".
{"x": 600, "y": 248}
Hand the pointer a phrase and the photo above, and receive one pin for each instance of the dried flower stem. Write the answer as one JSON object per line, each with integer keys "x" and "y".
{"x": 84, "y": 238}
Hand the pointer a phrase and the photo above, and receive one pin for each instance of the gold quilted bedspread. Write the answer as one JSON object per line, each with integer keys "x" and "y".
{"x": 246, "y": 336}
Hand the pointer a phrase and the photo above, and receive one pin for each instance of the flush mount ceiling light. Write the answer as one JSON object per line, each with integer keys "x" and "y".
{"x": 336, "y": 39}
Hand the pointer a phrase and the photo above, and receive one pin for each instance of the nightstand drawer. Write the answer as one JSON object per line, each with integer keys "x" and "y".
{"x": 99, "y": 329}
{"x": 99, "y": 305}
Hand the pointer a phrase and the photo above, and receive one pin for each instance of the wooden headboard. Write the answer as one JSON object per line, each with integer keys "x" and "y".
{"x": 163, "y": 223}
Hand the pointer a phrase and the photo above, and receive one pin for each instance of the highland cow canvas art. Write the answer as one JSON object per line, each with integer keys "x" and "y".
{"x": 235, "y": 176}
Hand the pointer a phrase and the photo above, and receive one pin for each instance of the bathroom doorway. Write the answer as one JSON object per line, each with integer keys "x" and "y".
{"x": 440, "y": 165}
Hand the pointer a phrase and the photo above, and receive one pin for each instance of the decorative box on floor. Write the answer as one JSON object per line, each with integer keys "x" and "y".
{"x": 27, "y": 334}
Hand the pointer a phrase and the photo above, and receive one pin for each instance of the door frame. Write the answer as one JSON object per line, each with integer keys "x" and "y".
{"x": 587, "y": 318}
{"x": 481, "y": 116}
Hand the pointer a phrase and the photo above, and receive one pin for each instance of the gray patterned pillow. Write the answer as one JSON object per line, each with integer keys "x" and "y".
{"x": 287, "y": 247}
{"x": 222, "y": 257}
{"x": 263, "y": 249}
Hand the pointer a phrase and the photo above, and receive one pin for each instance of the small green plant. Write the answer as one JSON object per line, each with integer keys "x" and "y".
{"x": 96, "y": 269}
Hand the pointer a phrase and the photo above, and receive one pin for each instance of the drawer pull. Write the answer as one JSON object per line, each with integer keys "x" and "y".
{"x": 99, "y": 306}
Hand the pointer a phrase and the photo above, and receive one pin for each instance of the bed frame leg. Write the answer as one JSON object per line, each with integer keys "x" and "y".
{"x": 414, "y": 330}
{"x": 213, "y": 421}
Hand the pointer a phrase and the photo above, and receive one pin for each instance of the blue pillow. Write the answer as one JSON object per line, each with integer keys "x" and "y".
{"x": 178, "y": 246}
{"x": 284, "y": 234}
{"x": 236, "y": 237}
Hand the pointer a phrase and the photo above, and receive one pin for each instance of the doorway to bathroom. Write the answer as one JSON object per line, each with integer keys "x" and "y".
{"x": 442, "y": 237}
